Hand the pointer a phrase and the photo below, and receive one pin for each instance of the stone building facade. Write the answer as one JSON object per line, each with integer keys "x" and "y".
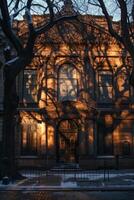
{"x": 75, "y": 101}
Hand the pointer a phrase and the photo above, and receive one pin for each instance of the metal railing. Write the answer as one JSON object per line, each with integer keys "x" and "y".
{"x": 65, "y": 174}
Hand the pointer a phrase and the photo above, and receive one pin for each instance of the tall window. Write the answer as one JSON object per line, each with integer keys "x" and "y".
{"x": 105, "y": 139}
{"x": 124, "y": 137}
{"x": 33, "y": 137}
{"x": 30, "y": 86}
{"x": 67, "y": 83}
{"x": 29, "y": 139}
{"x": 105, "y": 86}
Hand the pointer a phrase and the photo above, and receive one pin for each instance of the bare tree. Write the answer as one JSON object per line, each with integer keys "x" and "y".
{"x": 23, "y": 55}
{"x": 125, "y": 32}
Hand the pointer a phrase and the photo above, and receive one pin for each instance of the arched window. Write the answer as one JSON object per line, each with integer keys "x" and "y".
{"x": 67, "y": 83}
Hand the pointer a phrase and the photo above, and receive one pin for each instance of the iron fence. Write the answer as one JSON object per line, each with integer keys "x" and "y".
{"x": 63, "y": 175}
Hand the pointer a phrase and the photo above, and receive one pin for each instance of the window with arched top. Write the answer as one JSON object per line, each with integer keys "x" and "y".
{"x": 67, "y": 83}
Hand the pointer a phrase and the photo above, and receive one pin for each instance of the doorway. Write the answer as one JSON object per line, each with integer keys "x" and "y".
{"x": 67, "y": 141}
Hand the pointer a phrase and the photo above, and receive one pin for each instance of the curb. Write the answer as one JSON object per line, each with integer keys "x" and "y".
{"x": 55, "y": 188}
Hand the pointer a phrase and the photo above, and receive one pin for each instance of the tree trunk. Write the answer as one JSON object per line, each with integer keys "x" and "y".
{"x": 10, "y": 112}
{"x": 9, "y": 121}
{"x": 11, "y": 100}
{"x": 132, "y": 74}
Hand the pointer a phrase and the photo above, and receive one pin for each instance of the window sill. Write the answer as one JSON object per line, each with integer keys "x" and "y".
{"x": 27, "y": 157}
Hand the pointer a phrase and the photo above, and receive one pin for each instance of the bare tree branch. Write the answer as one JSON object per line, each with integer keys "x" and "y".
{"x": 125, "y": 26}
{"x": 49, "y": 25}
{"x": 5, "y": 22}
{"x": 50, "y": 6}
{"x": 29, "y": 2}
{"x": 109, "y": 21}
{"x": 17, "y": 4}
{"x": 4, "y": 10}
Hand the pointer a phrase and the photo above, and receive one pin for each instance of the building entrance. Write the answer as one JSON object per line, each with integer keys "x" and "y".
{"x": 68, "y": 141}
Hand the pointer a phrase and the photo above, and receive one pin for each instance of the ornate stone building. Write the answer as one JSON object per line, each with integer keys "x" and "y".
{"x": 75, "y": 100}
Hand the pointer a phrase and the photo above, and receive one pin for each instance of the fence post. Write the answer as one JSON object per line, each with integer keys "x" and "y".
{"x": 104, "y": 169}
{"x": 117, "y": 161}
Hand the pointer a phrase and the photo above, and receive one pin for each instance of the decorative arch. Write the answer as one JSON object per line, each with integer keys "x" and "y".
{"x": 67, "y": 140}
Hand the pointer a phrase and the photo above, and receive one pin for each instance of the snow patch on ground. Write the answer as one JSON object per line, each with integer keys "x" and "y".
{"x": 68, "y": 184}
{"x": 77, "y": 175}
{"x": 71, "y": 179}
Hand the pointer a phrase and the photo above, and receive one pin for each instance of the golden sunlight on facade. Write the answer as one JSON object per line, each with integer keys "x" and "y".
{"x": 75, "y": 100}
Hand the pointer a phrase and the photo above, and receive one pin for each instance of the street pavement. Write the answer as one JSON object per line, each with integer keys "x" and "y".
{"x": 43, "y": 195}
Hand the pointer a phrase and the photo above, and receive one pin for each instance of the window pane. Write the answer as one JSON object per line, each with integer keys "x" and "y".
{"x": 105, "y": 86}
{"x": 105, "y": 79}
{"x": 30, "y": 86}
{"x": 105, "y": 93}
{"x": 67, "y": 72}
{"x": 123, "y": 86}
{"x": 124, "y": 137}
{"x": 67, "y": 83}
{"x": 29, "y": 139}
{"x": 67, "y": 89}
{"x": 105, "y": 140}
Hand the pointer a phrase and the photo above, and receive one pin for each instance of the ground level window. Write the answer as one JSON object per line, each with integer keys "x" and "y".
{"x": 115, "y": 137}
{"x": 124, "y": 137}
{"x": 104, "y": 140}
{"x": 29, "y": 140}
